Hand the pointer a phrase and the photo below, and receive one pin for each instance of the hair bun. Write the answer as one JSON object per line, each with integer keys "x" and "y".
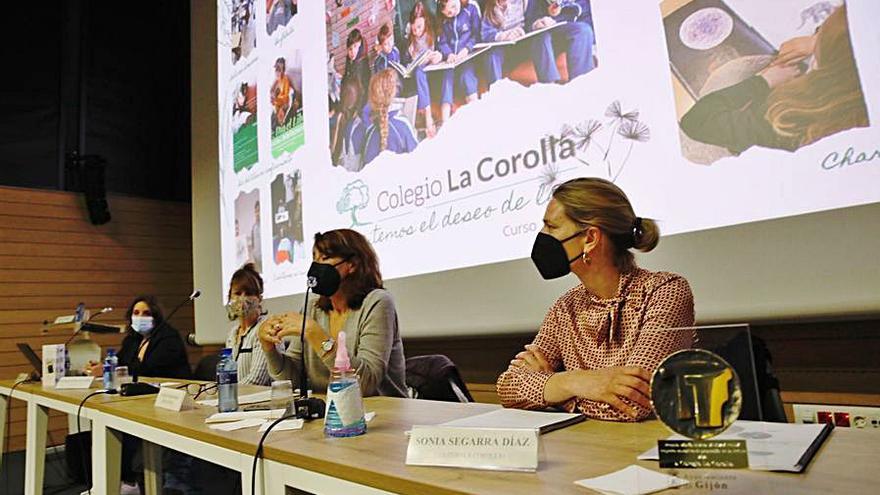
{"x": 646, "y": 234}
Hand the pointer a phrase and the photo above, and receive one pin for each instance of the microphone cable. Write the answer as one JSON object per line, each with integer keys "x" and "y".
{"x": 259, "y": 454}
{"x": 86, "y": 467}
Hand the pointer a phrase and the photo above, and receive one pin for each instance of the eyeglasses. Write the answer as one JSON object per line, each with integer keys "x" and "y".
{"x": 198, "y": 389}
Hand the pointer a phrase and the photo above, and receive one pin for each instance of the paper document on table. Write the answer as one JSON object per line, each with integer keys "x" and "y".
{"x": 771, "y": 446}
{"x": 237, "y": 425}
{"x": 239, "y": 415}
{"x": 517, "y": 418}
{"x": 287, "y": 424}
{"x": 261, "y": 396}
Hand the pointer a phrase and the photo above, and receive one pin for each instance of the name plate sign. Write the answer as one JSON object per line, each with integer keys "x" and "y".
{"x": 74, "y": 382}
{"x": 703, "y": 454}
{"x": 173, "y": 399}
{"x": 498, "y": 449}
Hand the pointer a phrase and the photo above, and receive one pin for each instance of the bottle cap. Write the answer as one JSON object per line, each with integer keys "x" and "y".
{"x": 342, "y": 361}
{"x": 111, "y": 352}
{"x": 226, "y": 352}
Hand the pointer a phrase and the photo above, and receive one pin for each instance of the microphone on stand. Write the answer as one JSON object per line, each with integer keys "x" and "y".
{"x": 192, "y": 297}
{"x": 305, "y": 407}
{"x": 84, "y": 324}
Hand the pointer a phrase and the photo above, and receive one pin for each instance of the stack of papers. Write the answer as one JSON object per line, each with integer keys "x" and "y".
{"x": 771, "y": 446}
{"x": 243, "y": 400}
{"x": 237, "y": 425}
{"x": 231, "y": 421}
{"x": 517, "y": 418}
{"x": 225, "y": 417}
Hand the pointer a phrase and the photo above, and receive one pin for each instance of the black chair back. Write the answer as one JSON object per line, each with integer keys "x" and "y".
{"x": 207, "y": 368}
{"x": 750, "y": 358}
{"x": 435, "y": 377}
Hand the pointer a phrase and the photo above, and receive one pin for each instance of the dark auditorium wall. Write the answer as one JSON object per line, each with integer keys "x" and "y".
{"x": 51, "y": 258}
{"x": 100, "y": 78}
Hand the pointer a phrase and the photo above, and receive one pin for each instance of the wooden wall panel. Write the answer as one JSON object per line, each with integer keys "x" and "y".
{"x": 52, "y": 257}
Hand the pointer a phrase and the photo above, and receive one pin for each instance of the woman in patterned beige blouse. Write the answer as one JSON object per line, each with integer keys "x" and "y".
{"x": 600, "y": 341}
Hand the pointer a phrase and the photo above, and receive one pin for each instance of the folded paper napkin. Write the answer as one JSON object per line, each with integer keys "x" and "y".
{"x": 632, "y": 480}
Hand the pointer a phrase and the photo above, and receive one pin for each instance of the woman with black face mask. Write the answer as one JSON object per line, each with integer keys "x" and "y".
{"x": 352, "y": 299}
{"x": 602, "y": 339}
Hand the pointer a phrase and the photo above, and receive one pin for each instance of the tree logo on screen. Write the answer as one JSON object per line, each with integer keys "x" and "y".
{"x": 355, "y": 196}
{"x": 696, "y": 393}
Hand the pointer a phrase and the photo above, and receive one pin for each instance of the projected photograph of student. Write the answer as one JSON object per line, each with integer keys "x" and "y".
{"x": 352, "y": 97}
{"x": 419, "y": 51}
{"x": 279, "y": 13}
{"x": 241, "y": 248}
{"x": 601, "y": 340}
{"x": 351, "y": 298}
{"x": 247, "y": 219}
{"x": 285, "y": 96}
{"x": 736, "y": 90}
{"x": 383, "y": 128}
{"x": 444, "y": 53}
{"x": 459, "y": 32}
{"x": 244, "y": 308}
{"x": 244, "y": 36}
{"x": 287, "y": 229}
{"x": 245, "y": 151}
{"x": 533, "y": 41}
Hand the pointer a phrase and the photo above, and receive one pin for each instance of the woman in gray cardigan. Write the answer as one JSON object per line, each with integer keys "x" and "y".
{"x": 352, "y": 299}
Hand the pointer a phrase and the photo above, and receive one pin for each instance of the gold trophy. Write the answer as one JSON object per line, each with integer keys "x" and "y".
{"x": 697, "y": 394}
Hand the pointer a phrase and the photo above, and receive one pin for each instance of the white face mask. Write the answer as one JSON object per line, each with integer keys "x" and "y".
{"x": 142, "y": 324}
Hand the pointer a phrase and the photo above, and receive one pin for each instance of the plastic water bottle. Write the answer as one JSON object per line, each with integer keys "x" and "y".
{"x": 110, "y": 363}
{"x": 227, "y": 382}
{"x": 345, "y": 404}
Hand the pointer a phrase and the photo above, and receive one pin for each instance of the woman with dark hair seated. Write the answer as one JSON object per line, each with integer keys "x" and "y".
{"x": 358, "y": 305}
{"x": 153, "y": 348}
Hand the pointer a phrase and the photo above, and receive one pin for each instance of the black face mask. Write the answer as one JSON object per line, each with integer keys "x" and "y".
{"x": 324, "y": 279}
{"x": 549, "y": 256}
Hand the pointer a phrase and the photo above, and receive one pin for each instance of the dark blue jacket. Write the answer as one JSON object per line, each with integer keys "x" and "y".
{"x": 381, "y": 62}
{"x": 401, "y": 138}
{"x": 462, "y": 31}
{"x": 572, "y": 10}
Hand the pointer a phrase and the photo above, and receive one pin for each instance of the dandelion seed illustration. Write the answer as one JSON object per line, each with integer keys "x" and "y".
{"x": 634, "y": 132}
{"x": 566, "y": 132}
{"x": 550, "y": 174}
{"x": 618, "y": 118}
{"x": 584, "y": 132}
{"x": 615, "y": 112}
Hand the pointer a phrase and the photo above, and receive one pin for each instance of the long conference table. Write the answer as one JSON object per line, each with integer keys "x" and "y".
{"x": 375, "y": 463}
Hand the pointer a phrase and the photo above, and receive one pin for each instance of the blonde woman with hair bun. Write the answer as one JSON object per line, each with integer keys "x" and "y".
{"x": 601, "y": 340}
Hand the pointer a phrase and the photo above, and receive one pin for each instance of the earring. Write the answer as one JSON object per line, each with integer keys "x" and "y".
{"x": 586, "y": 258}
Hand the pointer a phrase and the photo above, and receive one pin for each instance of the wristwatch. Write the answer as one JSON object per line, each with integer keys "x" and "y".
{"x": 327, "y": 345}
